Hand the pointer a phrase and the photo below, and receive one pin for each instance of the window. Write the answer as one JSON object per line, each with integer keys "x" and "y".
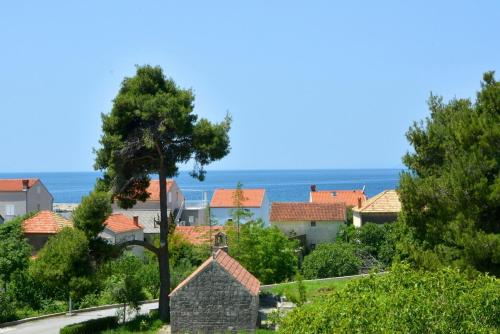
{"x": 169, "y": 197}
{"x": 38, "y": 207}
{"x": 313, "y": 224}
{"x": 191, "y": 219}
{"x": 10, "y": 210}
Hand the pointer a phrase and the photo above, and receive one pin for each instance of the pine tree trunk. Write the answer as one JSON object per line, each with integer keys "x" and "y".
{"x": 163, "y": 261}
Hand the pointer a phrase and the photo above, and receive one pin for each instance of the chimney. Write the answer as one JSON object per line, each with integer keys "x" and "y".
{"x": 25, "y": 184}
{"x": 359, "y": 202}
{"x": 313, "y": 188}
{"x": 136, "y": 220}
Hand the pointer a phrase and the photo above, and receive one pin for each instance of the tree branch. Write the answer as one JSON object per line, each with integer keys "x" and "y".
{"x": 144, "y": 244}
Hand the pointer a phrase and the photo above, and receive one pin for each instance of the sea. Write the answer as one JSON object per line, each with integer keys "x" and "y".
{"x": 280, "y": 185}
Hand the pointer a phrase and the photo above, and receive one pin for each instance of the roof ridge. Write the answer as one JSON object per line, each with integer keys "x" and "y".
{"x": 373, "y": 200}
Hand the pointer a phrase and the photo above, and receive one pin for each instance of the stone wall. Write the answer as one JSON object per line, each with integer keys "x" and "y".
{"x": 213, "y": 302}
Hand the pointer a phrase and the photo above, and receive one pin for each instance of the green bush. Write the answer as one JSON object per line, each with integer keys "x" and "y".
{"x": 7, "y": 310}
{"x": 404, "y": 301}
{"x": 330, "y": 260}
{"x": 91, "y": 326}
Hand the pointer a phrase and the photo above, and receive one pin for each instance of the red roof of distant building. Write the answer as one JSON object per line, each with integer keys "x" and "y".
{"x": 303, "y": 211}
{"x": 233, "y": 267}
{"x": 224, "y": 198}
{"x": 198, "y": 235}
{"x": 349, "y": 197}
{"x": 15, "y": 184}
{"x": 154, "y": 189}
{"x": 119, "y": 223}
{"x": 45, "y": 222}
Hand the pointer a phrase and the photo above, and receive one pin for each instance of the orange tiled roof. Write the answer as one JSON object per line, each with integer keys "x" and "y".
{"x": 233, "y": 267}
{"x": 224, "y": 198}
{"x": 45, "y": 222}
{"x": 349, "y": 197}
{"x": 119, "y": 223}
{"x": 197, "y": 235}
{"x": 303, "y": 211}
{"x": 154, "y": 189}
{"x": 387, "y": 201}
{"x": 15, "y": 184}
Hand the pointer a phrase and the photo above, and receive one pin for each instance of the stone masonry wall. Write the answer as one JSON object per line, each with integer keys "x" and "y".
{"x": 213, "y": 302}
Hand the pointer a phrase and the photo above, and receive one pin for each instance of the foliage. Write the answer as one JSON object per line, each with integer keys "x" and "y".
{"x": 7, "y": 310}
{"x": 451, "y": 191}
{"x": 63, "y": 263}
{"x": 90, "y": 215}
{"x": 331, "y": 260}
{"x": 140, "y": 324}
{"x": 128, "y": 291}
{"x": 14, "y": 250}
{"x": 404, "y": 301}
{"x": 150, "y": 130}
{"x": 264, "y": 251}
{"x": 91, "y": 326}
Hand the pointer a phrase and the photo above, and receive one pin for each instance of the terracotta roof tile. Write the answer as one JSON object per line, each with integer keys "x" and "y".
{"x": 224, "y": 198}
{"x": 154, "y": 189}
{"x": 197, "y": 235}
{"x": 349, "y": 197}
{"x": 233, "y": 267}
{"x": 303, "y": 211}
{"x": 15, "y": 184}
{"x": 386, "y": 201}
{"x": 45, "y": 222}
{"x": 119, "y": 223}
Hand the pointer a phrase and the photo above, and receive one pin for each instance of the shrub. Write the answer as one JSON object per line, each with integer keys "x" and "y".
{"x": 91, "y": 326}
{"x": 404, "y": 301}
{"x": 7, "y": 310}
{"x": 330, "y": 260}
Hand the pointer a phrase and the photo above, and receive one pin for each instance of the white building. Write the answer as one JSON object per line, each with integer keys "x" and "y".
{"x": 223, "y": 205}
{"x": 381, "y": 208}
{"x": 316, "y": 222}
{"x": 120, "y": 228}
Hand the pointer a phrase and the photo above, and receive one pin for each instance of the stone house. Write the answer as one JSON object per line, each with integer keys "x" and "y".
{"x": 119, "y": 228}
{"x": 223, "y": 205}
{"x": 317, "y": 222}
{"x": 381, "y": 208}
{"x": 219, "y": 297}
{"x": 21, "y": 196}
{"x": 40, "y": 227}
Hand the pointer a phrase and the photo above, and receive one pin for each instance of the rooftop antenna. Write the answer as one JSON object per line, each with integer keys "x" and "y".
{"x": 364, "y": 186}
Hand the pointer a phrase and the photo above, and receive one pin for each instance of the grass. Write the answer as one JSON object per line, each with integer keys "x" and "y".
{"x": 144, "y": 324}
{"x": 314, "y": 289}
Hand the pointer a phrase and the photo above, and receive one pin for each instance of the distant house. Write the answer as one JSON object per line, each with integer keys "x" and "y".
{"x": 20, "y": 196}
{"x": 318, "y": 222}
{"x": 149, "y": 211}
{"x": 119, "y": 228}
{"x": 351, "y": 198}
{"x": 381, "y": 208}
{"x": 219, "y": 297}
{"x": 38, "y": 228}
{"x": 198, "y": 235}
{"x": 223, "y": 205}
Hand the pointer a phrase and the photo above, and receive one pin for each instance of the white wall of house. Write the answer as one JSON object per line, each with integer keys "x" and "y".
{"x": 39, "y": 198}
{"x": 356, "y": 219}
{"x": 316, "y": 232}
{"x": 221, "y": 215}
{"x": 117, "y": 238}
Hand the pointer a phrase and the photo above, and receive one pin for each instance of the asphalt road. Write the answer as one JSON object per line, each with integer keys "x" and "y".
{"x": 53, "y": 325}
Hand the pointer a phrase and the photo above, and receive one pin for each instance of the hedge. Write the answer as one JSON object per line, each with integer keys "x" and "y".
{"x": 91, "y": 326}
{"x": 404, "y": 301}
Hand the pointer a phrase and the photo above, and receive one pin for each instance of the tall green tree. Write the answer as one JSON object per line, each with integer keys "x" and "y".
{"x": 451, "y": 191}
{"x": 92, "y": 212}
{"x": 151, "y": 130}
{"x": 14, "y": 250}
{"x": 239, "y": 212}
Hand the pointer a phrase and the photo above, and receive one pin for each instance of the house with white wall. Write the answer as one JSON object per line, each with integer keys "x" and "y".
{"x": 318, "y": 222}
{"x": 224, "y": 204}
{"x": 351, "y": 198}
{"x": 149, "y": 210}
{"x": 21, "y": 196}
{"x": 119, "y": 228}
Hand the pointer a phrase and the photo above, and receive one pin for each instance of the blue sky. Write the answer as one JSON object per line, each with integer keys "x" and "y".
{"x": 316, "y": 84}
